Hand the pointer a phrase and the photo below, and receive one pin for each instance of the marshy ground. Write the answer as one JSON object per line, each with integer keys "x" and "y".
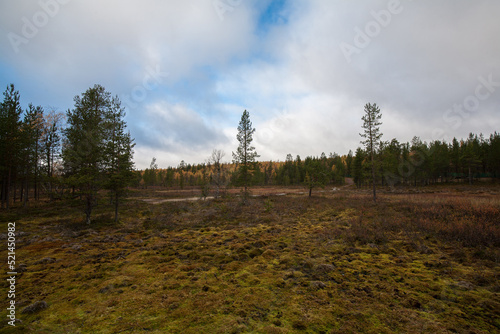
{"x": 423, "y": 261}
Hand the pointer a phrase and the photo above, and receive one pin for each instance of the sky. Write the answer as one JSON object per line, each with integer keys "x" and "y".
{"x": 185, "y": 70}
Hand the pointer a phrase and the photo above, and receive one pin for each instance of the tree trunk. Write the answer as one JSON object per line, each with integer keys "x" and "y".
{"x": 7, "y": 190}
{"x": 21, "y": 195}
{"x": 116, "y": 207}
{"x": 373, "y": 178}
{"x": 2, "y": 193}
{"x": 88, "y": 209}
{"x": 245, "y": 180}
{"x": 49, "y": 174}
{"x": 26, "y": 190}
{"x": 36, "y": 169}
{"x": 217, "y": 183}
{"x": 15, "y": 192}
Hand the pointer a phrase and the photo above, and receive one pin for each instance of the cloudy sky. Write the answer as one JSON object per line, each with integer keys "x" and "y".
{"x": 185, "y": 70}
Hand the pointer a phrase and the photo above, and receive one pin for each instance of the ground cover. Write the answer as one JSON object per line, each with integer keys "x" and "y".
{"x": 414, "y": 262}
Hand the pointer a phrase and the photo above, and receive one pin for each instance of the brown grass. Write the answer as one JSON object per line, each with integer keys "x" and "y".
{"x": 333, "y": 263}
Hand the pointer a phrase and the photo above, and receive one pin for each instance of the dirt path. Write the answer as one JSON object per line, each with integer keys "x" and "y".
{"x": 257, "y": 192}
{"x": 349, "y": 181}
{"x": 186, "y": 199}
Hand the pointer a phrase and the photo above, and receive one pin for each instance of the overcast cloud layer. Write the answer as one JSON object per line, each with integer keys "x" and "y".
{"x": 186, "y": 70}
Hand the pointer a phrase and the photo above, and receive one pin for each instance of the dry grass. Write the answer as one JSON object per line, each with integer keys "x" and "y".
{"x": 335, "y": 263}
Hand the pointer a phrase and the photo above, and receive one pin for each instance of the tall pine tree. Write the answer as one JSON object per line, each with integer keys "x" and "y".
{"x": 245, "y": 154}
{"x": 371, "y": 135}
{"x": 10, "y": 141}
{"x": 97, "y": 152}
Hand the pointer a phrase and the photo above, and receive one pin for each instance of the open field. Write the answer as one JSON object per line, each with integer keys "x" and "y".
{"x": 423, "y": 261}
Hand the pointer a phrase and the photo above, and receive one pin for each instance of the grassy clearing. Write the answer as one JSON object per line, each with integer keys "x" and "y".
{"x": 336, "y": 263}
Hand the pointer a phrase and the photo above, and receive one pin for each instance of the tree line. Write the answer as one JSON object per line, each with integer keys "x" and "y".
{"x": 77, "y": 153}
{"x": 86, "y": 150}
{"x": 378, "y": 162}
{"x": 30, "y": 149}
{"x": 420, "y": 163}
{"x": 245, "y": 171}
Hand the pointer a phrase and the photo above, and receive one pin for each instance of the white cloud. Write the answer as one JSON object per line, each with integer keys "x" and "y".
{"x": 174, "y": 132}
{"x": 426, "y": 60}
{"x": 114, "y": 41}
{"x": 303, "y": 96}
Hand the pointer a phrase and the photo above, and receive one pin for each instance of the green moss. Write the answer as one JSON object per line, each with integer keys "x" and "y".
{"x": 324, "y": 265}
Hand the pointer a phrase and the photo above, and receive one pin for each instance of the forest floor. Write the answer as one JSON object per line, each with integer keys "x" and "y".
{"x": 419, "y": 260}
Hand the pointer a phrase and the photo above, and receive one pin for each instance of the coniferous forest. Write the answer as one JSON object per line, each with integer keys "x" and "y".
{"x": 88, "y": 149}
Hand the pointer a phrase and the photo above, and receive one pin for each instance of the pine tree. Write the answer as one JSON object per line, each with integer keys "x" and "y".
{"x": 357, "y": 169}
{"x": 245, "y": 154}
{"x": 150, "y": 176}
{"x": 470, "y": 155}
{"x": 338, "y": 170}
{"x": 455, "y": 157}
{"x": 84, "y": 148}
{"x": 10, "y": 141}
{"x": 118, "y": 153}
{"x": 316, "y": 173}
{"x": 372, "y": 135}
{"x": 493, "y": 156}
{"x": 31, "y": 132}
{"x": 348, "y": 164}
{"x": 97, "y": 151}
{"x": 390, "y": 154}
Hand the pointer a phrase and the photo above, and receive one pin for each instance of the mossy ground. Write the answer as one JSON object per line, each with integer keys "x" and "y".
{"x": 334, "y": 263}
